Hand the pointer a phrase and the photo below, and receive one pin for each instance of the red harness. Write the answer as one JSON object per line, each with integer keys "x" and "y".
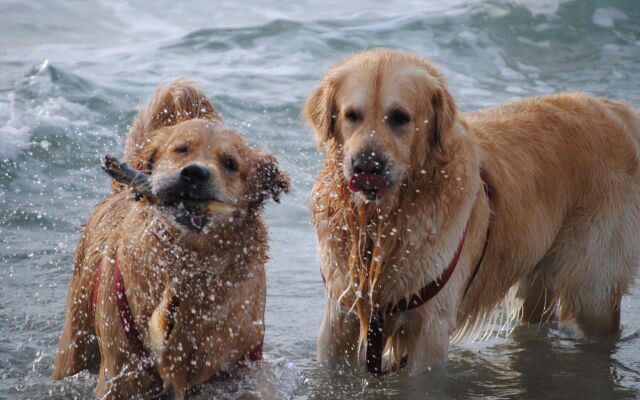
{"x": 127, "y": 319}
{"x": 123, "y": 308}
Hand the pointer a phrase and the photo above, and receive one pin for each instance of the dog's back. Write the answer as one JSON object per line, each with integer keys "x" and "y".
{"x": 567, "y": 169}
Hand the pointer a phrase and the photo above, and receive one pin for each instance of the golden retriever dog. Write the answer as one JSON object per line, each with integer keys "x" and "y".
{"x": 170, "y": 292}
{"x": 428, "y": 219}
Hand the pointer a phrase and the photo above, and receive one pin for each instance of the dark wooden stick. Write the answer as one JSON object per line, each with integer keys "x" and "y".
{"x": 140, "y": 182}
{"x": 121, "y": 172}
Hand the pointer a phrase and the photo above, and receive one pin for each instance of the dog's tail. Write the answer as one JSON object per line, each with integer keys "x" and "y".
{"x": 172, "y": 103}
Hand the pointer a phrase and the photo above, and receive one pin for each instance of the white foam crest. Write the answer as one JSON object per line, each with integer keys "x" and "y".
{"x": 14, "y": 134}
{"x": 541, "y": 7}
{"x": 606, "y": 17}
{"x": 23, "y": 117}
{"x": 61, "y": 113}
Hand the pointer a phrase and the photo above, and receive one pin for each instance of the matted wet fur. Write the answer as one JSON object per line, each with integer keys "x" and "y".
{"x": 194, "y": 283}
{"x": 564, "y": 208}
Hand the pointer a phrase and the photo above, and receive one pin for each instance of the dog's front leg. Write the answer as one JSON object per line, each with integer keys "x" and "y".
{"x": 427, "y": 344}
{"x": 338, "y": 338}
{"x": 171, "y": 348}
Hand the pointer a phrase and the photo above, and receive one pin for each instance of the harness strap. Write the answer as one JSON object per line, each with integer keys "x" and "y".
{"x": 133, "y": 336}
{"x": 432, "y": 289}
{"x": 125, "y": 313}
{"x": 489, "y": 192}
{"x": 375, "y": 343}
{"x": 477, "y": 268}
{"x": 123, "y": 308}
{"x": 96, "y": 285}
{"x": 256, "y": 354}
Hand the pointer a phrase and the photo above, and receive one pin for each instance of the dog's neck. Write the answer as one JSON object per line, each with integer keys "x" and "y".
{"x": 158, "y": 252}
{"x": 208, "y": 250}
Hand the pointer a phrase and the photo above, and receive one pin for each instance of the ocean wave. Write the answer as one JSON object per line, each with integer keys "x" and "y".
{"x": 47, "y": 99}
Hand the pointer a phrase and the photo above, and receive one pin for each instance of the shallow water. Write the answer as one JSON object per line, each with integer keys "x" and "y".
{"x": 72, "y": 75}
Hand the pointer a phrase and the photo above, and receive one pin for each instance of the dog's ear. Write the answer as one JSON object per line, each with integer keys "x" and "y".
{"x": 267, "y": 179}
{"x": 444, "y": 112}
{"x": 173, "y": 103}
{"x": 319, "y": 111}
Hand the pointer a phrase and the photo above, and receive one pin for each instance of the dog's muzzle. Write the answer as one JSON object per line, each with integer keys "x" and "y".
{"x": 368, "y": 176}
{"x": 188, "y": 195}
{"x": 191, "y": 185}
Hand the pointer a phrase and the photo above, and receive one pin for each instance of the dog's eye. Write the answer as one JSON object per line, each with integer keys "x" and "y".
{"x": 353, "y": 116}
{"x": 397, "y": 118}
{"x": 230, "y": 164}
{"x": 183, "y": 148}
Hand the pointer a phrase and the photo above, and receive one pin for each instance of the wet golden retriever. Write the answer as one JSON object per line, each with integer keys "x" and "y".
{"x": 426, "y": 217}
{"x": 173, "y": 293}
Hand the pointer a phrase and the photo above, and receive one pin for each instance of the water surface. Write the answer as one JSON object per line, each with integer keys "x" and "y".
{"x": 72, "y": 75}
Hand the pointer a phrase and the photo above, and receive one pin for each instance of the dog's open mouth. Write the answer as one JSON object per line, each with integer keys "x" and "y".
{"x": 207, "y": 207}
{"x": 197, "y": 213}
{"x": 373, "y": 186}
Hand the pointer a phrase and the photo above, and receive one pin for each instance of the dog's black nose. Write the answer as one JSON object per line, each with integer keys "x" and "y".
{"x": 368, "y": 163}
{"x": 194, "y": 173}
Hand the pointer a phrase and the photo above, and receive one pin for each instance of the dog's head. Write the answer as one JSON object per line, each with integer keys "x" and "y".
{"x": 194, "y": 160}
{"x": 385, "y": 113}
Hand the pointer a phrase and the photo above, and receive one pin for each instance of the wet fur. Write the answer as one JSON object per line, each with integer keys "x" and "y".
{"x": 197, "y": 298}
{"x": 564, "y": 211}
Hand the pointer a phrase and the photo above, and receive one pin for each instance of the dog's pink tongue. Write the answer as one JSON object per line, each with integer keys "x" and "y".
{"x": 368, "y": 182}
